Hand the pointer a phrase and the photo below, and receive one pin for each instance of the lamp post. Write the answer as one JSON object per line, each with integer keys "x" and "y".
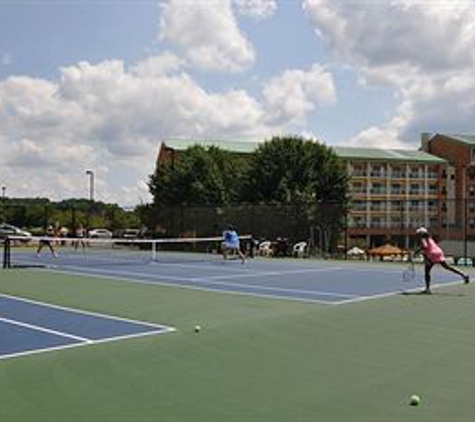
{"x": 90, "y": 173}
{"x": 4, "y": 188}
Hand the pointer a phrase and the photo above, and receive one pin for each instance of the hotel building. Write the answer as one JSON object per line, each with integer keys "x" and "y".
{"x": 393, "y": 192}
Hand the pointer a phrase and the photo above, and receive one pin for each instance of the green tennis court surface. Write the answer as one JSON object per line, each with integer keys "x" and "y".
{"x": 255, "y": 359}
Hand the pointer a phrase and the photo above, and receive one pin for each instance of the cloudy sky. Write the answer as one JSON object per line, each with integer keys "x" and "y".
{"x": 97, "y": 84}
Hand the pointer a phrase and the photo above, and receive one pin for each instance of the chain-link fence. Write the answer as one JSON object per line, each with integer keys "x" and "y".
{"x": 319, "y": 225}
{"x": 331, "y": 229}
{"x": 327, "y": 228}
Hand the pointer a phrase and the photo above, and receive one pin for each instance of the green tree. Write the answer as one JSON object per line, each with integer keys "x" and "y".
{"x": 308, "y": 179}
{"x": 200, "y": 176}
{"x": 292, "y": 170}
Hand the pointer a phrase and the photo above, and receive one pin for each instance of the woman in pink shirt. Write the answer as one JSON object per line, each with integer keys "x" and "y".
{"x": 433, "y": 254}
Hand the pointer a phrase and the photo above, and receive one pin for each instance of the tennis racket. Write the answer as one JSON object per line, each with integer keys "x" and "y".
{"x": 409, "y": 274}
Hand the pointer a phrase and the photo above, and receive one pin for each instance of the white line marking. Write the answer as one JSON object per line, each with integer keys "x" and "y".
{"x": 241, "y": 286}
{"x": 89, "y": 343}
{"x": 189, "y": 287}
{"x": 394, "y": 293}
{"x": 273, "y": 273}
{"x": 45, "y": 330}
{"x": 80, "y": 311}
{"x": 351, "y": 297}
{"x": 87, "y": 270}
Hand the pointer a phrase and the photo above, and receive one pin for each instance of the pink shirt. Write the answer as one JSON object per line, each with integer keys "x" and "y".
{"x": 432, "y": 251}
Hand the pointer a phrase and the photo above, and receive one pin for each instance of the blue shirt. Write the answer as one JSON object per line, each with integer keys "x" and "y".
{"x": 231, "y": 238}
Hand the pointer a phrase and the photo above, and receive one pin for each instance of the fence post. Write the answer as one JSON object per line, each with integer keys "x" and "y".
{"x": 465, "y": 234}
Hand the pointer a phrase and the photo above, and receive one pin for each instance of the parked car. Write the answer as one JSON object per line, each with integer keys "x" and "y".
{"x": 126, "y": 233}
{"x": 131, "y": 233}
{"x": 100, "y": 234}
{"x": 9, "y": 230}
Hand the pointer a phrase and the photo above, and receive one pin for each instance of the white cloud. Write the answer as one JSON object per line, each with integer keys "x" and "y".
{"x": 376, "y": 137}
{"x": 166, "y": 63}
{"x": 110, "y": 119}
{"x": 207, "y": 34}
{"x": 258, "y": 9}
{"x": 430, "y": 36}
{"x": 424, "y": 50}
{"x": 294, "y": 93}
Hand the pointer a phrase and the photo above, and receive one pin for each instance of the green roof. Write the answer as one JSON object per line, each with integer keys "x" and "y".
{"x": 229, "y": 145}
{"x": 374, "y": 154}
{"x": 379, "y": 154}
{"x": 464, "y": 139}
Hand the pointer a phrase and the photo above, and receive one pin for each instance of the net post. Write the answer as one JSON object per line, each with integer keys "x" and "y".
{"x": 154, "y": 250}
{"x": 6, "y": 253}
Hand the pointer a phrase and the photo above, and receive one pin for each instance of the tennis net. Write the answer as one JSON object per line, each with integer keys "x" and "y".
{"x": 93, "y": 252}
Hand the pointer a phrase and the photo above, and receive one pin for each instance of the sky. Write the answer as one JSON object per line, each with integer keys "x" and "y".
{"x": 99, "y": 84}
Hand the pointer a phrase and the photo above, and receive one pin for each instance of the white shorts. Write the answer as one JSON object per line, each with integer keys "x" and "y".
{"x": 229, "y": 245}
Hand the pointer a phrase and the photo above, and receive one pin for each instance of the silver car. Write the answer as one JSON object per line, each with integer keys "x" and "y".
{"x": 100, "y": 234}
{"x": 9, "y": 230}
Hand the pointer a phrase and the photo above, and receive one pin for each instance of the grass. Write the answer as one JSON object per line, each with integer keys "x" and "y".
{"x": 255, "y": 360}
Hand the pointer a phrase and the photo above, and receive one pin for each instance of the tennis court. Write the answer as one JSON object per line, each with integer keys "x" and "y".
{"x": 324, "y": 281}
{"x": 273, "y": 345}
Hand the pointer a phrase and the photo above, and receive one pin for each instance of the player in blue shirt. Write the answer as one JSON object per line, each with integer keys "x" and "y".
{"x": 231, "y": 244}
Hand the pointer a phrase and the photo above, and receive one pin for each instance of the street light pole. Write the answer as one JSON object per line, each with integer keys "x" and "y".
{"x": 4, "y": 188}
{"x": 90, "y": 173}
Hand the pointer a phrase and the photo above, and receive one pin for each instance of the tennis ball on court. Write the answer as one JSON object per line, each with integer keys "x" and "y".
{"x": 415, "y": 400}
{"x": 197, "y": 328}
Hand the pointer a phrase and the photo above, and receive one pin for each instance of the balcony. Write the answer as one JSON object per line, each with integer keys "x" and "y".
{"x": 378, "y": 191}
{"x": 416, "y": 175}
{"x": 359, "y": 193}
{"x": 398, "y": 175}
{"x": 357, "y": 223}
{"x": 378, "y": 174}
{"x": 396, "y": 192}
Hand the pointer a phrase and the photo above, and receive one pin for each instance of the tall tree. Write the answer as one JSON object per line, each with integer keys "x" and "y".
{"x": 200, "y": 176}
{"x": 309, "y": 179}
{"x": 292, "y": 170}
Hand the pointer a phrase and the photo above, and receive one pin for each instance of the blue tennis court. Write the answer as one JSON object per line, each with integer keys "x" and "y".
{"x": 329, "y": 282}
{"x": 28, "y": 327}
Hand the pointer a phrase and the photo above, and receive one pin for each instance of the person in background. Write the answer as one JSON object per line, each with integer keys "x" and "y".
{"x": 44, "y": 241}
{"x": 80, "y": 238}
{"x": 433, "y": 254}
{"x": 231, "y": 244}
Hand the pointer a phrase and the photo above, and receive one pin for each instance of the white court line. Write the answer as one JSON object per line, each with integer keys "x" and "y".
{"x": 46, "y": 330}
{"x": 88, "y": 270}
{"x": 116, "y": 275}
{"x": 145, "y": 259}
{"x": 80, "y": 311}
{"x": 394, "y": 293}
{"x": 207, "y": 279}
{"x": 89, "y": 343}
{"x": 158, "y": 329}
{"x": 218, "y": 283}
{"x": 190, "y": 287}
{"x": 350, "y": 297}
{"x": 274, "y": 273}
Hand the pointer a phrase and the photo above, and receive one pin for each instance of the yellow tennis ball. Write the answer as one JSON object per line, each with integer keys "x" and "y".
{"x": 415, "y": 400}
